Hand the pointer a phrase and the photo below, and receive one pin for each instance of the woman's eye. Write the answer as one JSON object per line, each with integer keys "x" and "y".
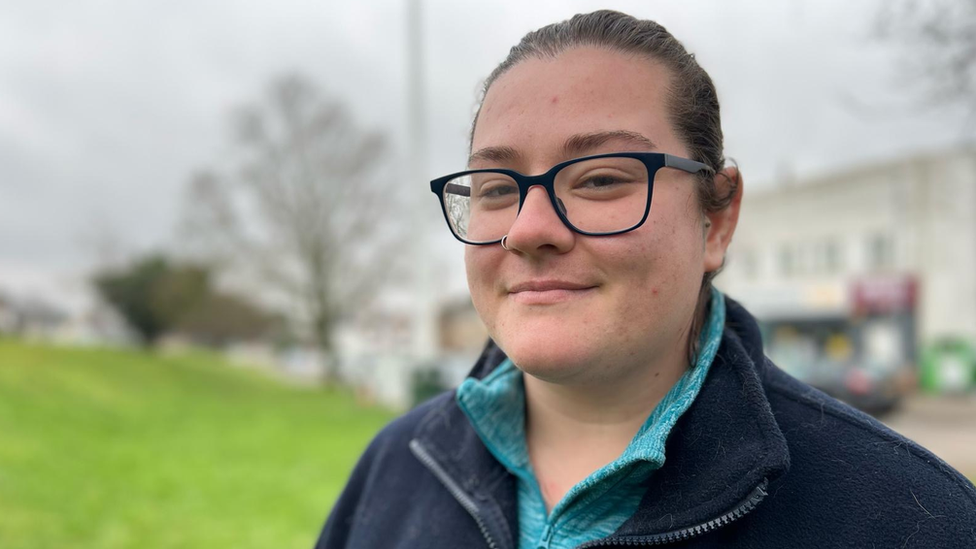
{"x": 496, "y": 191}
{"x": 599, "y": 182}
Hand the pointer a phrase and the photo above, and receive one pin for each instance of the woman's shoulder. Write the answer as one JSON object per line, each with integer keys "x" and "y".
{"x": 829, "y": 427}
{"x": 846, "y": 464}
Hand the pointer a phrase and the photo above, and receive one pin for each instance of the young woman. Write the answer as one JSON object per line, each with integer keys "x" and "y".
{"x": 622, "y": 400}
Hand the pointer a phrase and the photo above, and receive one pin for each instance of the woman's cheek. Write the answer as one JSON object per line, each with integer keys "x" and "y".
{"x": 481, "y": 276}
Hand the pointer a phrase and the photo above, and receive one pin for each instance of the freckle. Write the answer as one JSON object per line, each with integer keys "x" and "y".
{"x": 657, "y": 374}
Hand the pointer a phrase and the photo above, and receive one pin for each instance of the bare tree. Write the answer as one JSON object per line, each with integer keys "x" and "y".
{"x": 939, "y": 41}
{"x": 305, "y": 208}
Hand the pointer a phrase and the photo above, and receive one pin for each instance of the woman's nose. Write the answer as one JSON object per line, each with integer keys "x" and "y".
{"x": 538, "y": 228}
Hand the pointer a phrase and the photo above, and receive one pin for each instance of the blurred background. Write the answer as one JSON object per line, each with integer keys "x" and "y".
{"x": 222, "y": 270}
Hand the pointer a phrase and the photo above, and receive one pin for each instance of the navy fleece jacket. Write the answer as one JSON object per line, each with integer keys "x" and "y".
{"x": 758, "y": 460}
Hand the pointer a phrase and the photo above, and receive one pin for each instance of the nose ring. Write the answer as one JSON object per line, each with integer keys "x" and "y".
{"x": 504, "y": 242}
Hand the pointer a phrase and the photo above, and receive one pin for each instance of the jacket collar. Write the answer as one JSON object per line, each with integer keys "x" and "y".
{"x": 448, "y": 437}
{"x": 724, "y": 445}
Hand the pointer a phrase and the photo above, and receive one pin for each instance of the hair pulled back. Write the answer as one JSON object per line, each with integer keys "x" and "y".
{"x": 692, "y": 102}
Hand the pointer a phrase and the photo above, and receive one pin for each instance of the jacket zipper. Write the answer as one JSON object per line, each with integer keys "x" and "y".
{"x": 741, "y": 510}
{"x": 469, "y": 505}
{"x": 546, "y": 537}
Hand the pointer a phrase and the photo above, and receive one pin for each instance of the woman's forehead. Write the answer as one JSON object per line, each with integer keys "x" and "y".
{"x": 543, "y": 104}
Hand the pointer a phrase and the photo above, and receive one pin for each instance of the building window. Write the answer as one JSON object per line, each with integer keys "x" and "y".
{"x": 818, "y": 263}
{"x": 804, "y": 258}
{"x": 881, "y": 252}
{"x": 787, "y": 260}
{"x": 833, "y": 260}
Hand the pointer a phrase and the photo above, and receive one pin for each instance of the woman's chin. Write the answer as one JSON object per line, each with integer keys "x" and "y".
{"x": 560, "y": 363}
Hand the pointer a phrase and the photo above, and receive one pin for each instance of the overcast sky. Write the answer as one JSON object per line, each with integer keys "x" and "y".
{"x": 107, "y": 107}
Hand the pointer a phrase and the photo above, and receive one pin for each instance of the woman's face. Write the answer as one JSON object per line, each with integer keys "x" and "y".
{"x": 570, "y": 308}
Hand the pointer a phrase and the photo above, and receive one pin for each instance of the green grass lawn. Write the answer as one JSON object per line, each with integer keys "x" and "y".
{"x": 109, "y": 449}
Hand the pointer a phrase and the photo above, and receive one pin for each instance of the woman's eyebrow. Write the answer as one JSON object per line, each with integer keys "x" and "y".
{"x": 580, "y": 144}
{"x": 495, "y": 155}
{"x": 577, "y": 145}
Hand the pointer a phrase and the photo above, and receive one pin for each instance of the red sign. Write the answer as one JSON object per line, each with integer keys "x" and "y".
{"x": 885, "y": 294}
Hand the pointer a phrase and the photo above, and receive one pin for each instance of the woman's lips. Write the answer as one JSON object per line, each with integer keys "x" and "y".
{"x": 545, "y": 292}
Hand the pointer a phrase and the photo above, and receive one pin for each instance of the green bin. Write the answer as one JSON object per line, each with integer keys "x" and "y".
{"x": 948, "y": 367}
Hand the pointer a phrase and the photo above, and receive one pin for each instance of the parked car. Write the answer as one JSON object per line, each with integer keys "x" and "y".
{"x": 847, "y": 367}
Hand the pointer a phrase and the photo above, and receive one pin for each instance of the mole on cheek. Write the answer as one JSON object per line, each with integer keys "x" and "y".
{"x": 554, "y": 100}
{"x": 654, "y": 291}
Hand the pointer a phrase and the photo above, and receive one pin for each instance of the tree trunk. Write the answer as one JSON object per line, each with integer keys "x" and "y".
{"x": 326, "y": 347}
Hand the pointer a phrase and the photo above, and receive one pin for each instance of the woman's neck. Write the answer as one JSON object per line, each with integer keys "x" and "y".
{"x": 573, "y": 430}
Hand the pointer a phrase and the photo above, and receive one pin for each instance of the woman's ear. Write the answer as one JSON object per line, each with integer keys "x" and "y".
{"x": 720, "y": 225}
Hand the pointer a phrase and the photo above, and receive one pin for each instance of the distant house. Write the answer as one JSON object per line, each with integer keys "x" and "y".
{"x": 97, "y": 325}
{"x": 34, "y": 318}
{"x": 31, "y": 318}
{"x": 383, "y": 352}
{"x": 8, "y": 319}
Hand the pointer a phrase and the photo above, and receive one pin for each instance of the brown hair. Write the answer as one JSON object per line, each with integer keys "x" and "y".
{"x": 692, "y": 102}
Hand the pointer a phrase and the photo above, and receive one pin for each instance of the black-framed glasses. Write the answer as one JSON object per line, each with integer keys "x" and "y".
{"x": 598, "y": 195}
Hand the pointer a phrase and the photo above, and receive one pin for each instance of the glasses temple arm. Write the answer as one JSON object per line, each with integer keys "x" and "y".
{"x": 684, "y": 164}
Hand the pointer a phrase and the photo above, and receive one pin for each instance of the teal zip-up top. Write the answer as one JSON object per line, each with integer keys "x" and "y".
{"x": 601, "y": 502}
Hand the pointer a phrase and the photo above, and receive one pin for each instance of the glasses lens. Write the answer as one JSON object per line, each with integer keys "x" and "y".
{"x": 603, "y": 195}
{"x": 481, "y": 207}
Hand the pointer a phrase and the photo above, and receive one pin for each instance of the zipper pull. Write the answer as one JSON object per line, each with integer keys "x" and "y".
{"x": 546, "y": 537}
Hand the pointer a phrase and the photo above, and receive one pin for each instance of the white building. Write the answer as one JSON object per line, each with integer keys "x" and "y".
{"x": 807, "y": 249}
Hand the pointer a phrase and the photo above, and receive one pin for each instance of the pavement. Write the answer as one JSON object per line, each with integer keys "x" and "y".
{"x": 944, "y": 425}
